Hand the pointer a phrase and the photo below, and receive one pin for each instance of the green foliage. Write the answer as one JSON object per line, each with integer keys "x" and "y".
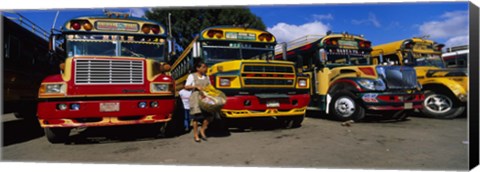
{"x": 187, "y": 23}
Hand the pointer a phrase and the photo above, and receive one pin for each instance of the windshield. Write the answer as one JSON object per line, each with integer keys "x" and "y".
{"x": 428, "y": 60}
{"x": 336, "y": 59}
{"x": 112, "y": 45}
{"x": 236, "y": 51}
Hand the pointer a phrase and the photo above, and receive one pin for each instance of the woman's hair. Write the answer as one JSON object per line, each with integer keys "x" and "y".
{"x": 197, "y": 65}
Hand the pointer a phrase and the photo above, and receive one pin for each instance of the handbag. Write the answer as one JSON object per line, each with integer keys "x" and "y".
{"x": 212, "y": 100}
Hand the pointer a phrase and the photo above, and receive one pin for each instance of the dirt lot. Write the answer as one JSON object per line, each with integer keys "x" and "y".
{"x": 418, "y": 143}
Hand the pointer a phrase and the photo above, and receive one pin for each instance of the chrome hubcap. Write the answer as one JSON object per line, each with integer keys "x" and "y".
{"x": 345, "y": 106}
{"x": 438, "y": 103}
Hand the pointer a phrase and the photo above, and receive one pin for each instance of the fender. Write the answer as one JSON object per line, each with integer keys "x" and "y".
{"x": 344, "y": 83}
{"x": 454, "y": 86}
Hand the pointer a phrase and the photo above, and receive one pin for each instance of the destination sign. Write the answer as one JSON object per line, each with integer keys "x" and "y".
{"x": 347, "y": 43}
{"x": 240, "y": 36}
{"x": 117, "y": 26}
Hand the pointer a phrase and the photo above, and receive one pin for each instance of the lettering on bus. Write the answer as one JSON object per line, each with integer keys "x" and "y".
{"x": 116, "y": 26}
{"x": 240, "y": 36}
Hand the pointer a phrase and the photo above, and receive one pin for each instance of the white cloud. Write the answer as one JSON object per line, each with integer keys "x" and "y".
{"x": 456, "y": 41}
{"x": 286, "y": 32}
{"x": 372, "y": 19}
{"x": 322, "y": 17}
{"x": 137, "y": 12}
{"x": 451, "y": 24}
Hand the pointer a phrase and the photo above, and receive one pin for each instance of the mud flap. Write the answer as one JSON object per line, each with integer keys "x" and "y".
{"x": 329, "y": 98}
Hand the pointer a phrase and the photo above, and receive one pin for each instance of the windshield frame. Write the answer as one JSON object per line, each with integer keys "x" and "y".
{"x": 118, "y": 42}
{"x": 436, "y": 58}
{"x": 348, "y": 60}
{"x": 239, "y": 47}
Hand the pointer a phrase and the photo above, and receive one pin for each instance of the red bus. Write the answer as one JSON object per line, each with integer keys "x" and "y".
{"x": 113, "y": 74}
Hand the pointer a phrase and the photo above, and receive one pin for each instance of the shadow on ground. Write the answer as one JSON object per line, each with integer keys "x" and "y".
{"x": 20, "y": 130}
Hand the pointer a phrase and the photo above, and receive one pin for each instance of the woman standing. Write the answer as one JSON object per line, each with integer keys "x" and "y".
{"x": 196, "y": 82}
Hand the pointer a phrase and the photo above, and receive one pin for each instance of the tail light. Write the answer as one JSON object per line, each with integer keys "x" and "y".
{"x": 216, "y": 33}
{"x": 76, "y": 25}
{"x": 265, "y": 36}
{"x": 146, "y": 29}
{"x": 156, "y": 29}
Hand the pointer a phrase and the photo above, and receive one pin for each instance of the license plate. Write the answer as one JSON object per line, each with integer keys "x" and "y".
{"x": 109, "y": 107}
{"x": 273, "y": 103}
{"x": 408, "y": 105}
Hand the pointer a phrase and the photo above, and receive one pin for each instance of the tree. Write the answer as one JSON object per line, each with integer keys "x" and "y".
{"x": 187, "y": 23}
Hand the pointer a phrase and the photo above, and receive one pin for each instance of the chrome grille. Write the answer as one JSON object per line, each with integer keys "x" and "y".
{"x": 273, "y": 69}
{"x": 268, "y": 75}
{"x": 108, "y": 71}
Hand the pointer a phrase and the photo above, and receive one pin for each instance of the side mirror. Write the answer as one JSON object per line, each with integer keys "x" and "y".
{"x": 51, "y": 43}
{"x": 171, "y": 46}
{"x": 322, "y": 56}
{"x": 196, "y": 50}
{"x": 380, "y": 58}
{"x": 284, "y": 51}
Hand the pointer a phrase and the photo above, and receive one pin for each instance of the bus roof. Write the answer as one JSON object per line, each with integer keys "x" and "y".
{"x": 393, "y": 47}
{"x": 314, "y": 42}
{"x": 233, "y": 33}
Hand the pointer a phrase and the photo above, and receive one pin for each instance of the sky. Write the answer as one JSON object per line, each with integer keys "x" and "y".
{"x": 443, "y": 22}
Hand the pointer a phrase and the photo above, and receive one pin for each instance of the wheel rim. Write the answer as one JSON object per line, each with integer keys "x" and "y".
{"x": 438, "y": 103}
{"x": 345, "y": 106}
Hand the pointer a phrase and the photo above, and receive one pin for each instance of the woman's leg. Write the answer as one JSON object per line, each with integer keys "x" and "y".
{"x": 195, "y": 131}
{"x": 204, "y": 127}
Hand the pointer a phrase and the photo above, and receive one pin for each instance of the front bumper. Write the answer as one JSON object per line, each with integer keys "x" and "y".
{"x": 392, "y": 100}
{"x": 254, "y": 106}
{"x": 90, "y": 113}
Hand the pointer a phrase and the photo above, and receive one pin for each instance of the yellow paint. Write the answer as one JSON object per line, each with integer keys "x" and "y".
{"x": 92, "y": 21}
{"x": 457, "y": 85}
{"x": 238, "y": 30}
{"x": 267, "y": 113}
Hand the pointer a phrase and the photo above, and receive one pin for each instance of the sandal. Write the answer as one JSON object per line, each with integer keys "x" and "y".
{"x": 196, "y": 140}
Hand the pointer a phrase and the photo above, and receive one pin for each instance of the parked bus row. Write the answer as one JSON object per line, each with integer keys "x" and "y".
{"x": 115, "y": 70}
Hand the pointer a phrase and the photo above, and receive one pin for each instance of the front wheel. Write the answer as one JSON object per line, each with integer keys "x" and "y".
{"x": 57, "y": 135}
{"x": 344, "y": 106}
{"x": 441, "y": 105}
{"x": 292, "y": 122}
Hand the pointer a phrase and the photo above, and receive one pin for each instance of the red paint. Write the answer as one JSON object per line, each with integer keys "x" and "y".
{"x": 367, "y": 70}
{"x": 418, "y": 106}
{"x": 237, "y": 102}
{"x": 306, "y": 47}
{"x": 396, "y": 98}
{"x": 349, "y": 82}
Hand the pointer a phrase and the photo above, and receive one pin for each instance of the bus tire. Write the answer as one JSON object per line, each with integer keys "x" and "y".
{"x": 441, "y": 105}
{"x": 292, "y": 122}
{"x": 345, "y": 106}
{"x": 401, "y": 115}
{"x": 57, "y": 135}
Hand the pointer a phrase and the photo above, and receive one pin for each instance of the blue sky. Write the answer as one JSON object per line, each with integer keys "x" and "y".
{"x": 444, "y": 22}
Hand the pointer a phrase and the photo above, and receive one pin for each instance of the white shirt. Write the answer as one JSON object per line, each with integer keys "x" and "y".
{"x": 185, "y": 96}
{"x": 190, "y": 79}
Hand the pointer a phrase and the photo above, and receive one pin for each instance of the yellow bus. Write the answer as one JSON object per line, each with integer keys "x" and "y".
{"x": 346, "y": 85}
{"x": 446, "y": 90}
{"x": 239, "y": 65}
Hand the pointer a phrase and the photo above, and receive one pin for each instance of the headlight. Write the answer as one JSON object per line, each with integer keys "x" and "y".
{"x": 52, "y": 88}
{"x": 224, "y": 82}
{"x": 302, "y": 82}
{"x": 378, "y": 84}
{"x": 160, "y": 87}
